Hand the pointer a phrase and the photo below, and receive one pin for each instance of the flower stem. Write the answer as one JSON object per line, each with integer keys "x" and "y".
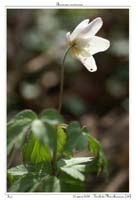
{"x": 62, "y": 79}
{"x": 54, "y": 162}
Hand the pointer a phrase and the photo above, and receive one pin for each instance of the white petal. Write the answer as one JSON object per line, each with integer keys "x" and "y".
{"x": 98, "y": 44}
{"x": 68, "y": 36}
{"x": 88, "y": 62}
{"x": 79, "y": 28}
{"x": 82, "y": 43}
{"x": 92, "y": 28}
{"x": 82, "y": 24}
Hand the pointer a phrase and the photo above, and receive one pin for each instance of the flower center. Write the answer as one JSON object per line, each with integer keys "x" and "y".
{"x": 74, "y": 47}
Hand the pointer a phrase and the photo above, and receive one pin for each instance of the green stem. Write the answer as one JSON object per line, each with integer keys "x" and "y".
{"x": 60, "y": 105}
{"x": 62, "y": 79}
{"x": 54, "y": 161}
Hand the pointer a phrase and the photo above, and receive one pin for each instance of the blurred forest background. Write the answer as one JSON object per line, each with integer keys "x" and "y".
{"x": 35, "y": 46}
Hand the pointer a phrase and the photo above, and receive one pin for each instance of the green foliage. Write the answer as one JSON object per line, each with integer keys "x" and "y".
{"x": 61, "y": 140}
{"x": 26, "y": 183}
{"x": 52, "y": 185}
{"x": 35, "y": 152}
{"x": 70, "y": 184}
{"x": 74, "y": 167}
{"x": 76, "y": 139}
{"x": 51, "y": 116}
{"x": 45, "y": 133}
{"x": 17, "y": 127}
{"x": 19, "y": 170}
{"x": 48, "y": 152}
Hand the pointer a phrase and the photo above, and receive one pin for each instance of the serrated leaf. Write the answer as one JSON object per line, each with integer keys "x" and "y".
{"x": 16, "y": 133}
{"x": 76, "y": 139}
{"x": 73, "y": 133}
{"x": 70, "y": 184}
{"x": 74, "y": 172}
{"x": 45, "y": 133}
{"x": 80, "y": 168}
{"x": 100, "y": 161}
{"x": 25, "y": 114}
{"x": 74, "y": 166}
{"x": 26, "y": 183}
{"x": 74, "y": 161}
{"x": 34, "y": 152}
{"x": 18, "y": 170}
{"x": 93, "y": 144}
{"x": 17, "y": 128}
{"x": 52, "y": 185}
{"x": 74, "y": 127}
{"x": 82, "y": 142}
{"x": 51, "y": 116}
{"x": 40, "y": 182}
{"x": 102, "y": 164}
{"x": 23, "y": 184}
{"x": 61, "y": 140}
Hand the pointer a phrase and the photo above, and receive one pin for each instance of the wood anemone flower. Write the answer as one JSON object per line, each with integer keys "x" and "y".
{"x": 84, "y": 44}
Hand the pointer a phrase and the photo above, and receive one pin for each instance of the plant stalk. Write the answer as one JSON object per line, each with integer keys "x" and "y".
{"x": 62, "y": 79}
{"x": 54, "y": 162}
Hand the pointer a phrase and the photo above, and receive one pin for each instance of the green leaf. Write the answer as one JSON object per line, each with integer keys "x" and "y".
{"x": 45, "y": 133}
{"x": 74, "y": 166}
{"x": 82, "y": 142}
{"x": 74, "y": 172}
{"x": 76, "y": 139}
{"x": 52, "y": 185}
{"x": 22, "y": 174}
{"x": 38, "y": 186}
{"x": 102, "y": 164}
{"x": 34, "y": 152}
{"x": 100, "y": 161}
{"x": 74, "y": 161}
{"x": 61, "y": 140}
{"x": 17, "y": 128}
{"x": 70, "y": 184}
{"x": 51, "y": 116}
{"x": 73, "y": 132}
{"x": 16, "y": 135}
{"x": 93, "y": 145}
{"x": 10, "y": 179}
{"x": 25, "y": 114}
{"x": 23, "y": 184}
{"x": 18, "y": 170}
{"x": 26, "y": 183}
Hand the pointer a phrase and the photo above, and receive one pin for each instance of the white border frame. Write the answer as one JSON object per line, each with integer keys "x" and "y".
{"x": 132, "y": 99}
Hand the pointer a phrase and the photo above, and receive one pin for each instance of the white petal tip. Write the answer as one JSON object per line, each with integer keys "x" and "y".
{"x": 108, "y": 45}
{"x": 89, "y": 63}
{"x": 92, "y": 70}
{"x": 87, "y": 20}
{"x": 107, "y": 42}
{"x": 68, "y": 36}
{"x": 99, "y": 19}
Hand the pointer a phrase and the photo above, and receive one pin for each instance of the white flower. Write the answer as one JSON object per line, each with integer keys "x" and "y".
{"x": 84, "y": 44}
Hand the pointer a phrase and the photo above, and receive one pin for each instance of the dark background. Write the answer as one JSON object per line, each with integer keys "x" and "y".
{"x": 35, "y": 46}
